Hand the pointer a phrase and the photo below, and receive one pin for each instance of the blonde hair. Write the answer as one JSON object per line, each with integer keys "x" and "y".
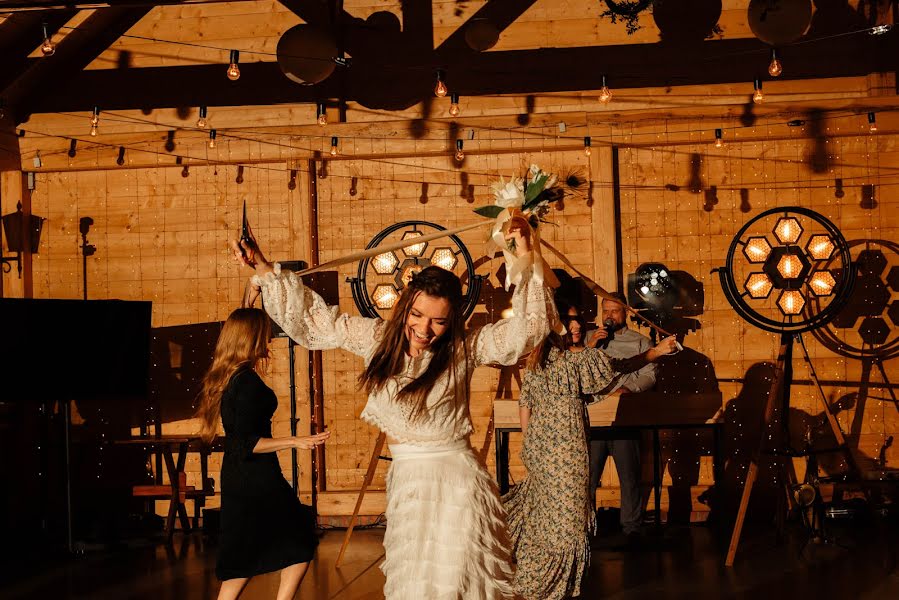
{"x": 243, "y": 343}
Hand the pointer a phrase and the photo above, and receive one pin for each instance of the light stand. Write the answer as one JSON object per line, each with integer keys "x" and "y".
{"x": 762, "y": 259}
{"x": 84, "y": 226}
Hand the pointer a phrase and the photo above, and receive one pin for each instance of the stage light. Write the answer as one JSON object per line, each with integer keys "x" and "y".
{"x": 790, "y": 302}
{"x": 758, "y": 285}
{"x": 820, "y": 247}
{"x": 757, "y": 249}
{"x": 385, "y": 264}
{"x": 789, "y": 266}
{"x": 822, "y": 283}
{"x": 410, "y": 269}
{"x": 444, "y": 258}
{"x": 788, "y": 230}
{"x": 384, "y": 296}
{"x": 415, "y": 250}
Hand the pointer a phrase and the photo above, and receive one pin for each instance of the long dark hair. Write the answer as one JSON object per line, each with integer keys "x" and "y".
{"x": 538, "y": 357}
{"x": 243, "y": 343}
{"x": 389, "y": 356}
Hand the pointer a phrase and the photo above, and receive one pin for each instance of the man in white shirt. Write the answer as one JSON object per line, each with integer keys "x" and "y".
{"x": 616, "y": 340}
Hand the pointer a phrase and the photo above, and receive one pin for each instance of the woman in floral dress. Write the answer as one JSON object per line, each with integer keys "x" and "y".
{"x": 550, "y": 514}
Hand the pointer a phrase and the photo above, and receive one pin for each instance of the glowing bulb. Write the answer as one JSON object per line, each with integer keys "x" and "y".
{"x": 212, "y": 134}
{"x": 233, "y": 71}
{"x": 48, "y": 48}
{"x": 775, "y": 68}
{"x": 440, "y": 88}
{"x": 719, "y": 141}
{"x": 322, "y": 115}
{"x": 334, "y": 146}
{"x": 872, "y": 122}
{"x": 758, "y": 97}
{"x": 460, "y": 155}
{"x": 201, "y": 121}
{"x": 454, "y": 105}
{"x": 587, "y": 143}
{"x": 94, "y": 130}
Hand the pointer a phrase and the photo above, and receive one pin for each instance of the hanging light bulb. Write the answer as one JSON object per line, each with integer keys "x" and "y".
{"x": 233, "y": 70}
{"x": 719, "y": 142}
{"x": 605, "y": 94}
{"x": 292, "y": 182}
{"x": 440, "y": 89}
{"x": 239, "y": 179}
{"x": 460, "y": 156}
{"x": 454, "y": 105}
{"x": 73, "y": 148}
{"x": 185, "y": 172}
{"x": 872, "y": 122}
{"x": 95, "y": 121}
{"x": 48, "y": 48}
{"x": 121, "y": 159}
{"x": 212, "y": 134}
{"x": 587, "y": 142}
{"x": 201, "y": 122}
{"x": 334, "y": 145}
{"x": 775, "y": 68}
{"x": 758, "y": 97}
{"x": 321, "y": 114}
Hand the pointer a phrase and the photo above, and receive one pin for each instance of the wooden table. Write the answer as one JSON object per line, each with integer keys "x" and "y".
{"x": 174, "y": 449}
{"x": 651, "y": 411}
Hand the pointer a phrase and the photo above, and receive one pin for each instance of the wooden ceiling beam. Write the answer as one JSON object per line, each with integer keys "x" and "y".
{"x": 499, "y": 13}
{"x": 491, "y": 73}
{"x": 24, "y": 6}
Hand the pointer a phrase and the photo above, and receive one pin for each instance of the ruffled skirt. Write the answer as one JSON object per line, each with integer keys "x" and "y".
{"x": 446, "y": 536}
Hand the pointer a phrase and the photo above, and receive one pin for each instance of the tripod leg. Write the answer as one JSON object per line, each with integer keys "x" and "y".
{"x": 369, "y": 475}
{"x": 741, "y": 514}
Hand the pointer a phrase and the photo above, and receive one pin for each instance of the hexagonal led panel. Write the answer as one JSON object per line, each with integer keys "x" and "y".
{"x": 444, "y": 258}
{"x": 820, "y": 246}
{"x": 758, "y": 285}
{"x": 790, "y": 302}
{"x": 822, "y": 283}
{"x": 757, "y": 249}
{"x": 384, "y": 296}
{"x": 874, "y": 331}
{"x": 893, "y": 279}
{"x": 414, "y": 249}
{"x": 408, "y": 271}
{"x": 789, "y": 266}
{"x": 787, "y": 230}
{"x": 385, "y": 264}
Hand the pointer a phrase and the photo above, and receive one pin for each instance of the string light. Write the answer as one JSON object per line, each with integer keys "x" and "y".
{"x": 775, "y": 68}
{"x": 292, "y": 182}
{"x": 758, "y": 97}
{"x": 48, "y": 48}
{"x": 185, "y": 172}
{"x": 719, "y": 142}
{"x": 460, "y": 156}
{"x": 872, "y": 122}
{"x": 212, "y": 134}
{"x": 440, "y": 88}
{"x": 321, "y": 114}
{"x": 587, "y": 151}
{"x": 605, "y": 94}
{"x": 334, "y": 145}
{"x": 233, "y": 71}
{"x": 239, "y": 179}
{"x": 201, "y": 122}
{"x": 121, "y": 158}
{"x": 95, "y": 121}
{"x": 73, "y": 148}
{"x": 454, "y": 105}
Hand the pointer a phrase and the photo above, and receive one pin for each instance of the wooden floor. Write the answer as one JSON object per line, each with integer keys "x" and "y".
{"x": 685, "y": 562}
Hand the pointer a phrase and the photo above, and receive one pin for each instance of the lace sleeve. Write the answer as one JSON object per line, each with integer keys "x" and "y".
{"x": 305, "y": 317}
{"x": 533, "y": 317}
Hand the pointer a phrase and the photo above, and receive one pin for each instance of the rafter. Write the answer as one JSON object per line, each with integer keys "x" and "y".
{"x": 509, "y": 72}
{"x": 500, "y": 13}
{"x": 45, "y": 76}
{"x": 24, "y": 6}
{"x": 20, "y": 34}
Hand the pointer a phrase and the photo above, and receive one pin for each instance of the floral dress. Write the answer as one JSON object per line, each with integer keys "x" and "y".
{"x": 550, "y": 513}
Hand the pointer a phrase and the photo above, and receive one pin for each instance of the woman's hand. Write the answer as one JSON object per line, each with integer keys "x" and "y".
{"x": 518, "y": 235}
{"x": 308, "y": 442}
{"x": 247, "y": 253}
{"x": 666, "y": 346}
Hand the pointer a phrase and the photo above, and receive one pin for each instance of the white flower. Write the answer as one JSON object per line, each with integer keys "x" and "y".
{"x": 551, "y": 181}
{"x": 508, "y": 194}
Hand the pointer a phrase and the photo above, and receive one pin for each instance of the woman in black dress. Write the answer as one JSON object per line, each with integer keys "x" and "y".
{"x": 264, "y": 526}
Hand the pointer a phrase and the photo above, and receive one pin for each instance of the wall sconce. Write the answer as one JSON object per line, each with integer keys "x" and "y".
{"x": 19, "y": 237}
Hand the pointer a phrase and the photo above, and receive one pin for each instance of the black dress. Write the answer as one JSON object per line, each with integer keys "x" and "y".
{"x": 264, "y": 526}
